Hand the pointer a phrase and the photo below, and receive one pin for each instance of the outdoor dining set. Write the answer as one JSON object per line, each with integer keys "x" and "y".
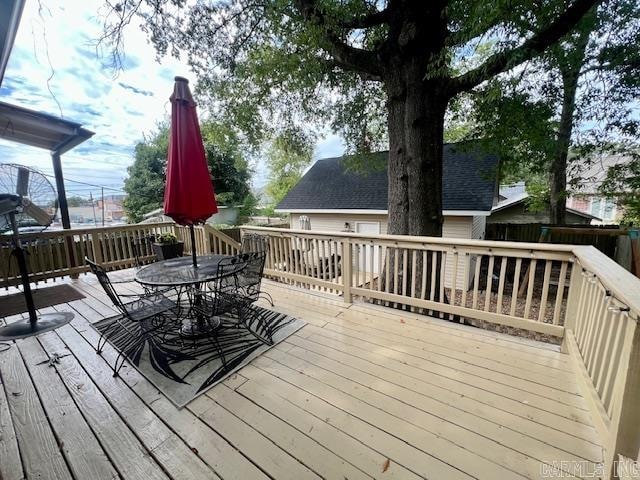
{"x": 189, "y": 302}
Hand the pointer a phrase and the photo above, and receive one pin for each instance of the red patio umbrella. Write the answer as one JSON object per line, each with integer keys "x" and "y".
{"x": 188, "y": 193}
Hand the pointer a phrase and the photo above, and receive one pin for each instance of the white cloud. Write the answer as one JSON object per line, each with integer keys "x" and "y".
{"x": 57, "y": 43}
{"x": 53, "y": 62}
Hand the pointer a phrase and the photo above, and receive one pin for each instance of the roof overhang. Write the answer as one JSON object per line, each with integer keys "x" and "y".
{"x": 37, "y": 129}
{"x": 521, "y": 197}
{"x": 10, "y": 13}
{"x": 582, "y": 214}
{"x": 449, "y": 213}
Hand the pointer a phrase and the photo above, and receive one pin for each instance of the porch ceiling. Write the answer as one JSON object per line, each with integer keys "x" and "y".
{"x": 37, "y": 129}
{"x": 10, "y": 13}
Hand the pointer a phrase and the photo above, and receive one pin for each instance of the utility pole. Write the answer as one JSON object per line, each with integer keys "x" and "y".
{"x": 102, "y": 189}
{"x": 93, "y": 205}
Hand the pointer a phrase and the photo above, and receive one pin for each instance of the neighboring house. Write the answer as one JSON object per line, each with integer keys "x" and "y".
{"x": 329, "y": 197}
{"x": 585, "y": 204}
{"x": 113, "y": 208}
{"x": 225, "y": 216}
{"x": 587, "y": 197}
{"x": 512, "y": 208}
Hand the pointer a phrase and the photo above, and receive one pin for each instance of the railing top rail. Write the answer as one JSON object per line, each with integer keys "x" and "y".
{"x": 78, "y": 231}
{"x": 459, "y": 242}
{"x": 224, "y": 236}
{"x": 622, "y": 284}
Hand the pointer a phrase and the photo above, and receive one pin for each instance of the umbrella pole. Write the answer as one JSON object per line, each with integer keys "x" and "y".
{"x": 193, "y": 246}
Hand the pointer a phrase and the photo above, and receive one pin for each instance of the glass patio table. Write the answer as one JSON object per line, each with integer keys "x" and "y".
{"x": 179, "y": 273}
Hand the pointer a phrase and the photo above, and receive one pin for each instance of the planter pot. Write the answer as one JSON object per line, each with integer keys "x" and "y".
{"x": 165, "y": 251}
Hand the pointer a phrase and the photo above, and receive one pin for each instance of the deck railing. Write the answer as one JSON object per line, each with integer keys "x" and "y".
{"x": 58, "y": 253}
{"x": 602, "y": 336}
{"x": 575, "y": 293}
{"x": 520, "y": 285}
{"x": 208, "y": 240}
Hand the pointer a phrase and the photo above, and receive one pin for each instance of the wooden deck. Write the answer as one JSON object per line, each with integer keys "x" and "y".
{"x": 360, "y": 392}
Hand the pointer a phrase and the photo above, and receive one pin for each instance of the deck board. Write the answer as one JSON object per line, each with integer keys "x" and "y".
{"x": 12, "y": 468}
{"x": 362, "y": 391}
{"x": 39, "y": 448}
{"x": 82, "y": 450}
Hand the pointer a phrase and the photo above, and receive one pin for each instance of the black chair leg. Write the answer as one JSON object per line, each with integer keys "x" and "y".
{"x": 104, "y": 337}
{"x": 267, "y": 296}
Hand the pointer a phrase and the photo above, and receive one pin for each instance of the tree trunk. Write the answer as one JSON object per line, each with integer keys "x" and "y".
{"x": 398, "y": 193}
{"x": 416, "y": 133}
{"x": 569, "y": 63}
{"x": 558, "y": 169}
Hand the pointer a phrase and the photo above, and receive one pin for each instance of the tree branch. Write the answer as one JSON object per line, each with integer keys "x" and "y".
{"x": 369, "y": 20}
{"x": 348, "y": 57}
{"x": 503, "y": 61}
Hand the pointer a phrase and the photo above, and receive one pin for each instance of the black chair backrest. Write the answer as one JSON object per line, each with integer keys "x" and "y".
{"x": 140, "y": 246}
{"x": 250, "y": 277}
{"x": 105, "y": 282}
{"x": 136, "y": 249}
{"x": 252, "y": 242}
{"x": 227, "y": 271}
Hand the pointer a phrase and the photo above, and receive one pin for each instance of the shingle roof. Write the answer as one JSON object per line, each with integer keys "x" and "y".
{"x": 469, "y": 183}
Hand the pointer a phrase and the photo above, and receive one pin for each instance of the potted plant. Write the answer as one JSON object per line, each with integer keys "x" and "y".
{"x": 167, "y": 246}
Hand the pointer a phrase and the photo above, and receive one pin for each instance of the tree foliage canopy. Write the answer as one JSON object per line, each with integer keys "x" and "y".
{"x": 588, "y": 76}
{"x": 280, "y": 63}
{"x": 230, "y": 172}
{"x": 287, "y": 157}
{"x": 377, "y": 71}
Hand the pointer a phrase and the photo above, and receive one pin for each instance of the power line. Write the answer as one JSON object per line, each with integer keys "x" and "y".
{"x": 83, "y": 183}
{"x": 87, "y": 189}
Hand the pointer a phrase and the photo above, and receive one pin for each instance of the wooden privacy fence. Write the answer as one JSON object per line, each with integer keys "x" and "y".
{"x": 619, "y": 244}
{"x": 573, "y": 292}
{"x": 57, "y": 253}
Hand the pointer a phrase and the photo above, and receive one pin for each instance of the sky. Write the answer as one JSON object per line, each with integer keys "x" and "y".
{"x": 54, "y": 68}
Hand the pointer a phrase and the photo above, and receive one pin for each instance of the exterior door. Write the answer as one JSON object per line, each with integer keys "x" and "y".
{"x": 368, "y": 228}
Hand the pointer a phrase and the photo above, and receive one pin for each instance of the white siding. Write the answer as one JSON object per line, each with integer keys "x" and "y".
{"x": 454, "y": 227}
{"x": 457, "y": 227}
{"x": 334, "y": 222}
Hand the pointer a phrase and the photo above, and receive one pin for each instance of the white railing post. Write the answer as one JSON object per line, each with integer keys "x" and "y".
{"x": 96, "y": 247}
{"x": 206, "y": 240}
{"x": 625, "y": 418}
{"x": 346, "y": 270}
{"x": 573, "y": 301}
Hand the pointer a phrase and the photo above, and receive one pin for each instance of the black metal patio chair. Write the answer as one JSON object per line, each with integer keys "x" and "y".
{"x": 136, "y": 247}
{"x": 255, "y": 243}
{"x": 141, "y": 315}
{"x": 237, "y": 289}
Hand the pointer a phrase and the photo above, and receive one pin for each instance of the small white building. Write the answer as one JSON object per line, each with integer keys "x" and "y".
{"x": 329, "y": 197}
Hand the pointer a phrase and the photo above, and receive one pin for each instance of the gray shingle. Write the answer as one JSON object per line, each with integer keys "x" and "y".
{"x": 469, "y": 183}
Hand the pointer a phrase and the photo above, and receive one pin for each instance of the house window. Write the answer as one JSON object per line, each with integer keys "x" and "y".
{"x": 305, "y": 222}
{"x": 579, "y": 203}
{"x": 609, "y": 209}
{"x": 595, "y": 207}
